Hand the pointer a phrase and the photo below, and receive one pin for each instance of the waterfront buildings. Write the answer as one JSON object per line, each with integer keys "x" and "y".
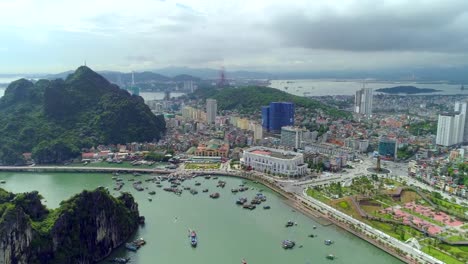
{"x": 292, "y": 136}
{"x": 388, "y": 148}
{"x": 363, "y": 101}
{"x": 211, "y": 110}
{"x": 275, "y": 161}
{"x": 277, "y": 115}
{"x": 212, "y": 148}
{"x": 451, "y": 126}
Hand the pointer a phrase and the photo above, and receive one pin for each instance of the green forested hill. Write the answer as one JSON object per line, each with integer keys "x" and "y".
{"x": 54, "y": 119}
{"x": 251, "y": 99}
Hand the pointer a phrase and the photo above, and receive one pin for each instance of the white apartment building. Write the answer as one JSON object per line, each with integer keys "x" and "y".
{"x": 451, "y": 127}
{"x": 275, "y": 161}
{"x": 363, "y": 101}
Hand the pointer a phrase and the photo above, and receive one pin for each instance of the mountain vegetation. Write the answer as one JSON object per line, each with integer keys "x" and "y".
{"x": 83, "y": 229}
{"x": 250, "y": 99}
{"x": 54, "y": 119}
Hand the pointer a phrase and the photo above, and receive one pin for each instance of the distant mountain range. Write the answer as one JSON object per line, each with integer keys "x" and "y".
{"x": 456, "y": 75}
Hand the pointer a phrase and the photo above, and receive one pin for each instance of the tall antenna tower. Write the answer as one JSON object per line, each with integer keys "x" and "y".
{"x": 222, "y": 77}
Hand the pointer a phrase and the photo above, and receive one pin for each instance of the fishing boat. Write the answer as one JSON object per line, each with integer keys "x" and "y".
{"x": 288, "y": 244}
{"x": 131, "y": 247}
{"x": 289, "y": 223}
{"x": 120, "y": 260}
{"x": 193, "y": 191}
{"x": 243, "y": 261}
{"x": 241, "y": 201}
{"x": 266, "y": 207}
{"x": 205, "y": 190}
{"x": 328, "y": 242}
{"x": 152, "y": 193}
{"x": 330, "y": 256}
{"x": 193, "y": 238}
{"x": 214, "y": 195}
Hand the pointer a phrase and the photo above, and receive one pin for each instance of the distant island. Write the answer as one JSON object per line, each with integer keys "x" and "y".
{"x": 406, "y": 90}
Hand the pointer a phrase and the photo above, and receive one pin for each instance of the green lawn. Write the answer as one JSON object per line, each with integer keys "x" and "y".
{"x": 441, "y": 255}
{"x": 317, "y": 195}
{"x": 204, "y": 166}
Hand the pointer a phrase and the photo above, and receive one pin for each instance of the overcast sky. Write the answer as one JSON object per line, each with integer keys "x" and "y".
{"x": 267, "y": 35}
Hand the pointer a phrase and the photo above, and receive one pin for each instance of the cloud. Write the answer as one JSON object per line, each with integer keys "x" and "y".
{"x": 55, "y": 35}
{"x": 411, "y": 26}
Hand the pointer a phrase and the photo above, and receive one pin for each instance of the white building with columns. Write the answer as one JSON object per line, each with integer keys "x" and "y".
{"x": 275, "y": 161}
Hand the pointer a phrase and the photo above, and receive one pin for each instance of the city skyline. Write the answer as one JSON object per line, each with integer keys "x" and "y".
{"x": 54, "y": 36}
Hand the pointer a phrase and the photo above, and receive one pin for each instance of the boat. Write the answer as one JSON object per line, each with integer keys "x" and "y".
{"x": 241, "y": 201}
{"x": 159, "y": 185}
{"x": 249, "y": 206}
{"x": 205, "y": 190}
{"x": 234, "y": 190}
{"x": 136, "y": 174}
{"x": 289, "y": 223}
{"x": 193, "y": 191}
{"x": 152, "y": 192}
{"x": 311, "y": 235}
{"x": 150, "y": 199}
{"x": 330, "y": 256}
{"x": 197, "y": 184}
{"x": 266, "y": 207}
{"x": 215, "y": 178}
{"x": 214, "y": 195}
{"x": 328, "y": 242}
{"x": 131, "y": 247}
{"x": 193, "y": 238}
{"x": 288, "y": 244}
{"x": 207, "y": 177}
{"x": 120, "y": 260}
{"x": 243, "y": 261}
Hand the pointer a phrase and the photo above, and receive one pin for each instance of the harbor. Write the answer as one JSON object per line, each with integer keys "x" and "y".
{"x": 227, "y": 232}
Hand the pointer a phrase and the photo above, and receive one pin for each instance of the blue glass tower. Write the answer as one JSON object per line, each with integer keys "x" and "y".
{"x": 265, "y": 116}
{"x": 277, "y": 115}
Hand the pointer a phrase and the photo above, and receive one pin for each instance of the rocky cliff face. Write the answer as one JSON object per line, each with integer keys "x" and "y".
{"x": 84, "y": 229}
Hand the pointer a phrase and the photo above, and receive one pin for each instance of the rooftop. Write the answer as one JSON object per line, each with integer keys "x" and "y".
{"x": 273, "y": 153}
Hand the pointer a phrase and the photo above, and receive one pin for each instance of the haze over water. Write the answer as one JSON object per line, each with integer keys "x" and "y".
{"x": 226, "y": 232}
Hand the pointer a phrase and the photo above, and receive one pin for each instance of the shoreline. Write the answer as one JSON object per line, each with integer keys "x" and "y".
{"x": 294, "y": 201}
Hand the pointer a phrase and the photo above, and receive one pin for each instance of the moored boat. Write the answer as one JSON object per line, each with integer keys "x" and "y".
{"x": 330, "y": 256}
{"x": 289, "y": 223}
{"x": 120, "y": 260}
{"x": 214, "y": 195}
{"x": 266, "y": 207}
{"x": 193, "y": 238}
{"x": 328, "y": 242}
{"x": 288, "y": 244}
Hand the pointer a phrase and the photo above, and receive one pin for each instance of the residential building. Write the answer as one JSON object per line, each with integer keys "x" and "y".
{"x": 274, "y": 161}
{"x": 292, "y": 136}
{"x": 211, "y": 110}
{"x": 450, "y": 129}
{"x": 277, "y": 115}
{"x": 363, "y": 101}
{"x": 461, "y": 109}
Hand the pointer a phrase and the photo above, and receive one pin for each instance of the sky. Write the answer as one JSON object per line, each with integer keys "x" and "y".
{"x": 50, "y": 36}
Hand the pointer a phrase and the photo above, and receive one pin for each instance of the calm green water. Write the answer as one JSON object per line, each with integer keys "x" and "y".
{"x": 226, "y": 232}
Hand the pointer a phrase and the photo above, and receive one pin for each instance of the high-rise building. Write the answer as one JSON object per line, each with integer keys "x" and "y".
{"x": 292, "y": 136}
{"x": 277, "y": 115}
{"x": 211, "y": 110}
{"x": 462, "y": 109}
{"x": 363, "y": 101}
{"x": 388, "y": 147}
{"x": 448, "y": 129}
{"x": 452, "y": 128}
